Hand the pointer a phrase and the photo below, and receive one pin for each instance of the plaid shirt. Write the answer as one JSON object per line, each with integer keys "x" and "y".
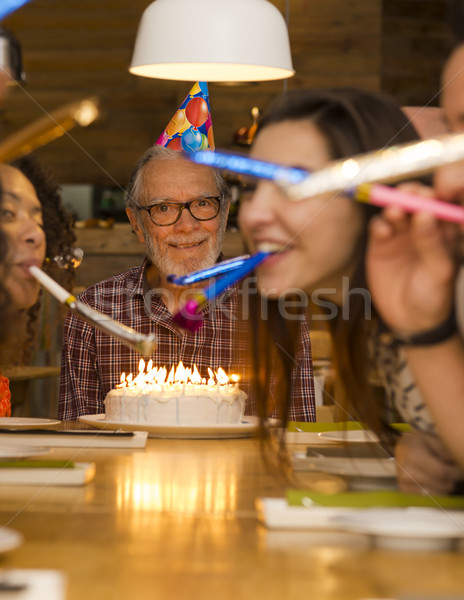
{"x": 92, "y": 362}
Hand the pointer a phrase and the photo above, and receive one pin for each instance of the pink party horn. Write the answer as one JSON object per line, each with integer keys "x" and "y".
{"x": 382, "y": 195}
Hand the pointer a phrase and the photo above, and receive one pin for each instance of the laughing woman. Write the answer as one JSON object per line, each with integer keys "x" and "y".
{"x": 33, "y": 224}
{"x": 22, "y": 224}
{"x": 321, "y": 243}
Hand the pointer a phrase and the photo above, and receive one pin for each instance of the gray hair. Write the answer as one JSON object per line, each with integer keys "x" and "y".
{"x": 135, "y": 187}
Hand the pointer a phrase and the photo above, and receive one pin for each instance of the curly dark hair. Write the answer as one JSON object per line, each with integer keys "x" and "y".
{"x": 60, "y": 240}
{"x": 57, "y": 220}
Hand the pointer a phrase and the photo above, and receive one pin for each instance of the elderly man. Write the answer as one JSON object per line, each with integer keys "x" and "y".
{"x": 179, "y": 210}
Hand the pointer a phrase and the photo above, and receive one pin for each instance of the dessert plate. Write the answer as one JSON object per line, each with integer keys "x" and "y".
{"x": 26, "y": 423}
{"x": 47, "y": 473}
{"x": 22, "y": 451}
{"x": 9, "y": 539}
{"x": 361, "y": 473}
{"x": 246, "y": 428}
{"x": 347, "y": 466}
{"x": 276, "y": 513}
{"x": 353, "y": 435}
{"x": 422, "y": 529}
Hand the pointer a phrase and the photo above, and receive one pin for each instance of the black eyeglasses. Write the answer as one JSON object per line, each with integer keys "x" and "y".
{"x": 168, "y": 213}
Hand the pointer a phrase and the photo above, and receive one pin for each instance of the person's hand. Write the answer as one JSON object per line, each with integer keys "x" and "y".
{"x": 424, "y": 465}
{"x": 448, "y": 182}
{"x": 411, "y": 268}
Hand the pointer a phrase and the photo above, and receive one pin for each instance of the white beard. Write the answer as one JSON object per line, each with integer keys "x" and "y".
{"x": 166, "y": 265}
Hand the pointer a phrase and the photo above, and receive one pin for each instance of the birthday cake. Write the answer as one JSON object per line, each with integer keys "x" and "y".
{"x": 181, "y": 397}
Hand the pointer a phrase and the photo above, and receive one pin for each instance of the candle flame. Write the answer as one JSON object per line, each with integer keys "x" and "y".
{"x": 151, "y": 375}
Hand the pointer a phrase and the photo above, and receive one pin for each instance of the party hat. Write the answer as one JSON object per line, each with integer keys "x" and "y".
{"x": 190, "y": 128}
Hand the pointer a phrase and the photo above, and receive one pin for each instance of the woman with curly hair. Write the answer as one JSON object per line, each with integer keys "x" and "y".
{"x": 36, "y": 225}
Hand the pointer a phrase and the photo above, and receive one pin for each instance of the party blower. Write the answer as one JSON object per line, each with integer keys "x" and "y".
{"x": 355, "y": 176}
{"x": 143, "y": 344}
{"x": 229, "y": 272}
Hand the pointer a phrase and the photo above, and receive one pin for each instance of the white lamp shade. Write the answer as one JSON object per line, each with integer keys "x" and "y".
{"x": 212, "y": 40}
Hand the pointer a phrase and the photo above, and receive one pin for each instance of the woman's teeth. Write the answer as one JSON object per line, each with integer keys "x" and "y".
{"x": 268, "y": 247}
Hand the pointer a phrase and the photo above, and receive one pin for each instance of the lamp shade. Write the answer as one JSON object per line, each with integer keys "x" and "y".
{"x": 212, "y": 40}
{"x": 9, "y": 6}
{"x": 10, "y": 57}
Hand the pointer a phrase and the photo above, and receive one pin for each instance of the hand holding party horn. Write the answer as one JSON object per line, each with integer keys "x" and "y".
{"x": 143, "y": 344}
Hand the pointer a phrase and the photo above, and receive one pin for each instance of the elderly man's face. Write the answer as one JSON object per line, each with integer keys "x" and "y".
{"x": 188, "y": 244}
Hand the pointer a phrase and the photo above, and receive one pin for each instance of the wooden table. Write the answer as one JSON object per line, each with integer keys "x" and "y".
{"x": 177, "y": 521}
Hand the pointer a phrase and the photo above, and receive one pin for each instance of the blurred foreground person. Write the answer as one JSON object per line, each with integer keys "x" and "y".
{"x": 413, "y": 274}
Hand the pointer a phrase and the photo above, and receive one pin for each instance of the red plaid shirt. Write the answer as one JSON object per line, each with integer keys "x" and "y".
{"x": 92, "y": 362}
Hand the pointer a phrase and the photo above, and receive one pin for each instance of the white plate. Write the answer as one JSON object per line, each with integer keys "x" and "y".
{"x": 79, "y": 474}
{"x": 22, "y": 451}
{"x": 276, "y": 513}
{"x": 349, "y": 435}
{"x": 347, "y": 466}
{"x": 406, "y": 528}
{"x": 246, "y": 428}
{"x": 9, "y": 539}
{"x": 361, "y": 473}
{"x": 75, "y": 438}
{"x": 26, "y": 423}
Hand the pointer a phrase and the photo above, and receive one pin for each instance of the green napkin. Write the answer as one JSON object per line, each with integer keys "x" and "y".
{"x": 373, "y": 499}
{"x": 339, "y": 426}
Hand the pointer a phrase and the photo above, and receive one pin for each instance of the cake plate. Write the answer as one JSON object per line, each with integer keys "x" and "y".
{"x": 248, "y": 427}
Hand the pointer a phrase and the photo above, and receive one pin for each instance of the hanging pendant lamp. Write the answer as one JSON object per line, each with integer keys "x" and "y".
{"x": 212, "y": 40}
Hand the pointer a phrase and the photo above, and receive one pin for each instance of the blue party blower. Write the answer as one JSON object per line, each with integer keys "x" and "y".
{"x": 231, "y": 271}
{"x": 9, "y": 6}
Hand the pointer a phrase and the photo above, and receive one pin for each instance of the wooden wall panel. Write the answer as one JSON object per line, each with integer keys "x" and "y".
{"x": 415, "y": 42}
{"x": 78, "y": 48}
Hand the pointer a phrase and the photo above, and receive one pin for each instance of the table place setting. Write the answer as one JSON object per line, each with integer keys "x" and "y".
{"x": 248, "y": 427}
{"x": 393, "y": 520}
{"x": 74, "y": 438}
{"x": 46, "y": 472}
{"x": 338, "y": 432}
{"x": 32, "y": 584}
{"x": 20, "y": 451}
{"x": 361, "y": 473}
{"x": 14, "y": 423}
{"x": 9, "y": 540}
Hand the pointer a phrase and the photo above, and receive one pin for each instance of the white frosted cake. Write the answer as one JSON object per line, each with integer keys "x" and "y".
{"x": 181, "y": 398}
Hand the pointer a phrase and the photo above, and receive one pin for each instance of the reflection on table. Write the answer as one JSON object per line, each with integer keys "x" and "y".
{"x": 178, "y": 520}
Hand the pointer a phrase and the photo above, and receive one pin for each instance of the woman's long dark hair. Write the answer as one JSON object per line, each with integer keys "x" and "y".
{"x": 353, "y": 121}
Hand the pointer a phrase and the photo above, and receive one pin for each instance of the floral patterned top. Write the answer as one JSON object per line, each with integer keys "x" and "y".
{"x": 5, "y": 397}
{"x": 403, "y": 396}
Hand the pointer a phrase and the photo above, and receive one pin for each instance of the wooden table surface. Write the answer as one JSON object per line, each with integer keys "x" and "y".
{"x": 177, "y": 521}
